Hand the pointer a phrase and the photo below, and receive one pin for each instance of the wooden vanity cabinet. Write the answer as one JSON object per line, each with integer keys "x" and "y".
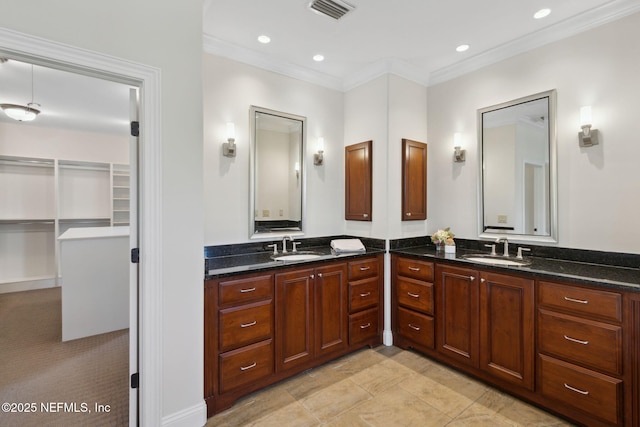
{"x": 261, "y": 328}
{"x": 633, "y": 390}
{"x": 312, "y": 317}
{"x": 358, "y": 181}
{"x": 239, "y": 334}
{"x": 580, "y": 350}
{"x": 486, "y": 321}
{"x": 413, "y": 303}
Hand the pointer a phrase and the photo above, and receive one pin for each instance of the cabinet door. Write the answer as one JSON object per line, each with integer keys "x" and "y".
{"x": 457, "y": 314}
{"x": 358, "y": 168}
{"x": 414, "y": 180}
{"x": 507, "y": 328}
{"x": 331, "y": 315}
{"x": 294, "y": 318}
{"x": 634, "y": 318}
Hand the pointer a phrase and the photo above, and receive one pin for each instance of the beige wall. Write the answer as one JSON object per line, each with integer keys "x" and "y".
{"x": 597, "y": 186}
{"x": 168, "y": 36}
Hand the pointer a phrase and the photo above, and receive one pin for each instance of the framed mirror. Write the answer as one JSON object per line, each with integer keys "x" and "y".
{"x": 517, "y": 191}
{"x": 276, "y": 181}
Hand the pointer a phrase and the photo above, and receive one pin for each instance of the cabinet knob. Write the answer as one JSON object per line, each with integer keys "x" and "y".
{"x": 408, "y": 214}
{"x": 312, "y": 276}
{"x": 365, "y": 215}
{"x": 319, "y": 274}
{"x": 472, "y": 278}
{"x": 482, "y": 280}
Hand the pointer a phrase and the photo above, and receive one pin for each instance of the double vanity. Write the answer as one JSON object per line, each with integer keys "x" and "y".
{"x": 559, "y": 328}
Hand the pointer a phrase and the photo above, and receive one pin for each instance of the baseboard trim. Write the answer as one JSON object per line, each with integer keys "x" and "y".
{"x": 189, "y": 417}
{"x": 27, "y": 285}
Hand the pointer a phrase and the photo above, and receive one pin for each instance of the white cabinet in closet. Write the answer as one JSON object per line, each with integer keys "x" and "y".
{"x": 120, "y": 194}
{"x": 27, "y": 219}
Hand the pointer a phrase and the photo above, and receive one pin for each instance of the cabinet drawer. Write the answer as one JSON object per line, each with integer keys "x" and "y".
{"x": 415, "y": 269}
{"x": 362, "y": 269}
{"x": 363, "y": 294}
{"x": 589, "y": 391}
{"x": 363, "y": 325}
{"x": 415, "y": 294}
{"x": 245, "y": 365}
{"x": 417, "y": 327}
{"x": 240, "y": 291}
{"x": 587, "y": 342}
{"x": 586, "y": 302}
{"x": 246, "y": 324}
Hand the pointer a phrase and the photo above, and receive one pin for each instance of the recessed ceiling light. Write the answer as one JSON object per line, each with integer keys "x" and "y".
{"x": 462, "y": 48}
{"x": 541, "y": 13}
{"x": 318, "y": 58}
{"x": 264, "y": 39}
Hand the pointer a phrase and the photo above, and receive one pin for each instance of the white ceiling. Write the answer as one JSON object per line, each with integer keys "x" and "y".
{"x": 415, "y": 39}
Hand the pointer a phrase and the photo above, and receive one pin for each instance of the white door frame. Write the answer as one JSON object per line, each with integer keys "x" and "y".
{"x": 40, "y": 51}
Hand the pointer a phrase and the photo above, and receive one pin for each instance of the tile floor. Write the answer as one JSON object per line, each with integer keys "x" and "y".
{"x": 386, "y": 387}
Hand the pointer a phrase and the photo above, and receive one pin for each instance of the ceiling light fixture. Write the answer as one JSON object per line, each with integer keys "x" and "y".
{"x": 318, "y": 58}
{"x": 542, "y": 13}
{"x": 22, "y": 113}
{"x": 462, "y": 48}
{"x": 264, "y": 39}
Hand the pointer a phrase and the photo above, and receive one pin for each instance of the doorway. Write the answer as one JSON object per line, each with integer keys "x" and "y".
{"x": 69, "y": 180}
{"x": 150, "y": 280}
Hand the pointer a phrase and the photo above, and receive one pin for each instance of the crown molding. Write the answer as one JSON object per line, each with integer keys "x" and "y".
{"x": 569, "y": 27}
{"x": 590, "y": 19}
{"x": 225, "y": 49}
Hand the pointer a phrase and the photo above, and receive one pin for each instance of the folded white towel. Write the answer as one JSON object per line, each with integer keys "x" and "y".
{"x": 347, "y": 245}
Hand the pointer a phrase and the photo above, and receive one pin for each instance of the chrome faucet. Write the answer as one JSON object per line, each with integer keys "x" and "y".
{"x": 506, "y": 245}
{"x": 284, "y": 243}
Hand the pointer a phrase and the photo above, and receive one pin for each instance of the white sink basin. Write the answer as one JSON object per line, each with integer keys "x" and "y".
{"x": 296, "y": 257}
{"x": 496, "y": 260}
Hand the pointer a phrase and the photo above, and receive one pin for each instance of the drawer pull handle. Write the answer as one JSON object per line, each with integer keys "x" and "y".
{"x": 365, "y": 268}
{"x": 576, "y": 340}
{"x": 415, "y": 328}
{"x": 365, "y": 326}
{"x": 413, "y": 295}
{"x": 366, "y": 294}
{"x": 246, "y": 325}
{"x": 583, "y": 392}
{"x": 414, "y": 268}
{"x": 253, "y": 365}
{"x": 244, "y": 291}
{"x": 579, "y": 301}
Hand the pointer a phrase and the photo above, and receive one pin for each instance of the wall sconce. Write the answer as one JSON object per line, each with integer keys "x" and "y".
{"x": 587, "y": 137}
{"x": 318, "y": 158}
{"x": 458, "y": 153}
{"x": 296, "y": 167}
{"x": 229, "y": 147}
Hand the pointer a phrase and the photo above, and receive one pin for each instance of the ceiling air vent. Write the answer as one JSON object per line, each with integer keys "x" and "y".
{"x": 335, "y": 9}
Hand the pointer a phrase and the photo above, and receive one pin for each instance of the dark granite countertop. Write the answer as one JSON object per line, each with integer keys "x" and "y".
{"x": 612, "y": 276}
{"x": 227, "y": 260}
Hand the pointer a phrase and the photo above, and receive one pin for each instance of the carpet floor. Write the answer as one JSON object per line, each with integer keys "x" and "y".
{"x": 47, "y": 382}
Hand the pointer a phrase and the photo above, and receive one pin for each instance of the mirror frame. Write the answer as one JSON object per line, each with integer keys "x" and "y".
{"x": 252, "y": 174}
{"x": 553, "y": 173}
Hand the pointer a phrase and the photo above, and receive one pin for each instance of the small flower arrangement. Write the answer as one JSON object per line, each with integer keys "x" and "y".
{"x": 443, "y": 237}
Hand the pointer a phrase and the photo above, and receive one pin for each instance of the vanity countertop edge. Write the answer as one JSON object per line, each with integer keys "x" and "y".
{"x": 623, "y": 278}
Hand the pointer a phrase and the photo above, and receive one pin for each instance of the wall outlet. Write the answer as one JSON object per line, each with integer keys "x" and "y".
{"x": 265, "y": 213}
{"x": 281, "y": 212}
{"x": 502, "y": 219}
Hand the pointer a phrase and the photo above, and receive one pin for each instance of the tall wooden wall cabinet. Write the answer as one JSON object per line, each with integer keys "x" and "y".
{"x": 414, "y": 180}
{"x": 358, "y": 169}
